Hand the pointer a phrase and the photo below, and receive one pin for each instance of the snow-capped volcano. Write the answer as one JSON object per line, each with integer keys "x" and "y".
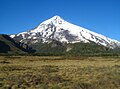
{"x": 60, "y": 30}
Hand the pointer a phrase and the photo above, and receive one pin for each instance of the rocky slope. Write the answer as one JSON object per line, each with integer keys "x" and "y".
{"x": 8, "y": 45}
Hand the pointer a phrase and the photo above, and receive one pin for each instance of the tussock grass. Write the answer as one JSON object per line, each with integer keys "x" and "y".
{"x": 34, "y": 72}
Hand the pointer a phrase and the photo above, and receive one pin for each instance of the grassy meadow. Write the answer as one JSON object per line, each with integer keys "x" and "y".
{"x": 39, "y": 72}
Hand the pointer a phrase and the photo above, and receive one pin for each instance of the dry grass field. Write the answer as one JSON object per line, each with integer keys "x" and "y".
{"x": 35, "y": 72}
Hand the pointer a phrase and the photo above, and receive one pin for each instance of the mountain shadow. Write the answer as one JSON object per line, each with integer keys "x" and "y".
{"x": 4, "y": 48}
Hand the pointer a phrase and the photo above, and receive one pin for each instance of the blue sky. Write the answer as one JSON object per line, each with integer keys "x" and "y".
{"x": 101, "y": 16}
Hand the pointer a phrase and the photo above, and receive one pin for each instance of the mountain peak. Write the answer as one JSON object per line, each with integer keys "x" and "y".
{"x": 60, "y": 30}
{"x": 56, "y": 20}
{"x": 57, "y": 17}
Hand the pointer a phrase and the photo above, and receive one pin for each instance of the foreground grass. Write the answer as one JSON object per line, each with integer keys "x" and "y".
{"x": 33, "y": 72}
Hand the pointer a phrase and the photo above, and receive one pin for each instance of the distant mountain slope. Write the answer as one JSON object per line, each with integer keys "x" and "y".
{"x": 76, "y": 49}
{"x": 60, "y": 30}
{"x": 54, "y": 48}
{"x": 8, "y": 45}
